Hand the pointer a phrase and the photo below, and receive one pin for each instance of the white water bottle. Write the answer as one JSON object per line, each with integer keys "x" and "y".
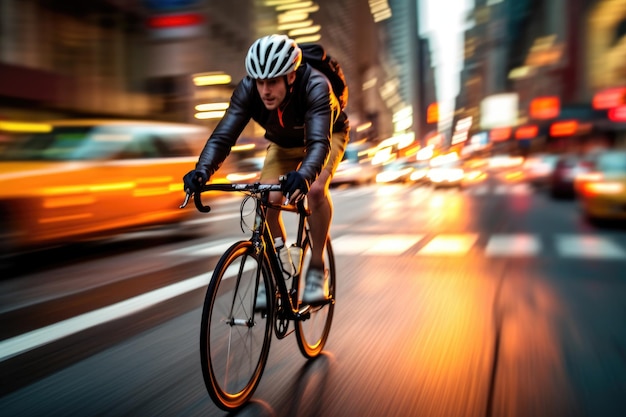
{"x": 283, "y": 255}
{"x": 295, "y": 253}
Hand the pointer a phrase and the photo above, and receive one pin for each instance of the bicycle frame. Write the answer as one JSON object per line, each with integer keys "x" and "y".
{"x": 262, "y": 238}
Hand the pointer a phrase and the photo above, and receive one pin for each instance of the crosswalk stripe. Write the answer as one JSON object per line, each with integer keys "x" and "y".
{"x": 593, "y": 247}
{"x": 374, "y": 244}
{"x": 501, "y": 245}
{"x": 497, "y": 245}
{"x": 513, "y": 245}
{"x": 449, "y": 244}
{"x": 393, "y": 244}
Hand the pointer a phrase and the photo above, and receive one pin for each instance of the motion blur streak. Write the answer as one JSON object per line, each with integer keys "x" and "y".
{"x": 531, "y": 317}
{"x": 453, "y": 352}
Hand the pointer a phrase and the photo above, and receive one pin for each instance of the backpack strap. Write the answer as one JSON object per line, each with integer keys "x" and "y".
{"x": 299, "y": 85}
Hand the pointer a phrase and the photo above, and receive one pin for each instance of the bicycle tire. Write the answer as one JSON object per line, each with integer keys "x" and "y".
{"x": 234, "y": 338}
{"x": 312, "y": 332}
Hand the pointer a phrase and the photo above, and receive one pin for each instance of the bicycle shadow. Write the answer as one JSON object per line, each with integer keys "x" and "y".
{"x": 307, "y": 392}
{"x": 310, "y": 389}
{"x": 255, "y": 408}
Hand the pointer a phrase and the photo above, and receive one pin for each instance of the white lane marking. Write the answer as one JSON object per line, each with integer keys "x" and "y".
{"x": 213, "y": 218}
{"x": 449, "y": 244}
{"x": 210, "y": 250}
{"x": 591, "y": 247}
{"x": 36, "y": 338}
{"x": 513, "y": 245}
{"x": 214, "y": 250}
{"x": 216, "y": 247}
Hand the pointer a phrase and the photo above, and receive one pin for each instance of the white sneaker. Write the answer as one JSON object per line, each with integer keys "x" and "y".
{"x": 261, "y": 298}
{"x": 316, "y": 286}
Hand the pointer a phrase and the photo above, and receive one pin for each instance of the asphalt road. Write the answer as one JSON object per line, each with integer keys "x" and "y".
{"x": 494, "y": 300}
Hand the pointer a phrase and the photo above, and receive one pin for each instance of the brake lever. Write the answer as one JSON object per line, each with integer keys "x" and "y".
{"x": 197, "y": 201}
{"x": 187, "y": 196}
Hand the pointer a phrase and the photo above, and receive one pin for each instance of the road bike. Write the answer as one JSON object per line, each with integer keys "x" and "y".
{"x": 235, "y": 335}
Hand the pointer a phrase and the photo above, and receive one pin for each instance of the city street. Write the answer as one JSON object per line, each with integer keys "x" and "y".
{"x": 491, "y": 300}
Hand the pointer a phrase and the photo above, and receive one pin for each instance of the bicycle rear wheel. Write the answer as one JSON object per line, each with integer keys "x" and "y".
{"x": 312, "y": 331}
{"x": 234, "y": 338}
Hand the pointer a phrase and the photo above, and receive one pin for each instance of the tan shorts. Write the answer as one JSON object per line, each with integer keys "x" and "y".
{"x": 280, "y": 161}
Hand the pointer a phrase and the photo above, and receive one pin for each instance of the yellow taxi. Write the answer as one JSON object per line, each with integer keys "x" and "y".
{"x": 602, "y": 192}
{"x": 86, "y": 178}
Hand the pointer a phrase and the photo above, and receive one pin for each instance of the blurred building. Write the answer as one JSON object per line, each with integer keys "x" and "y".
{"x": 547, "y": 61}
{"x": 401, "y": 69}
{"x": 179, "y": 60}
{"x": 427, "y": 94}
{"x": 70, "y": 58}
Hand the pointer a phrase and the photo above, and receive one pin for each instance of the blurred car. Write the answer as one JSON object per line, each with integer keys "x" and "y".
{"x": 92, "y": 178}
{"x": 446, "y": 171}
{"x": 502, "y": 161}
{"x": 537, "y": 169}
{"x": 602, "y": 192}
{"x": 356, "y": 167}
{"x": 398, "y": 170}
{"x": 353, "y": 172}
{"x": 420, "y": 172}
{"x": 567, "y": 168}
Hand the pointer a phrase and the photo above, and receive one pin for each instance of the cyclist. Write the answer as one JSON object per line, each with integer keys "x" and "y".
{"x": 306, "y": 141}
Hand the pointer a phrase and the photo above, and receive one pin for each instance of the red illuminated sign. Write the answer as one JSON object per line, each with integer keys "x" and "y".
{"x": 611, "y": 97}
{"x": 500, "y": 134}
{"x": 617, "y": 114}
{"x": 545, "y": 107}
{"x": 564, "y": 128}
{"x": 175, "y": 20}
{"x": 527, "y": 132}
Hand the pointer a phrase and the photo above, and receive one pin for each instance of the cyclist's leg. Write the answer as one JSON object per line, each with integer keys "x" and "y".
{"x": 278, "y": 161}
{"x": 320, "y": 201}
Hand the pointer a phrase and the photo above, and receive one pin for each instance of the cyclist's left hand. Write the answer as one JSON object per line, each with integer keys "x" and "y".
{"x": 295, "y": 187}
{"x": 194, "y": 180}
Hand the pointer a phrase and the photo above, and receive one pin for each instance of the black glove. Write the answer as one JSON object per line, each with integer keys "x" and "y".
{"x": 295, "y": 181}
{"x": 194, "y": 180}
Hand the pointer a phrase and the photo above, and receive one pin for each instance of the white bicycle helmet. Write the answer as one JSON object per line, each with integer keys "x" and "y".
{"x": 273, "y": 56}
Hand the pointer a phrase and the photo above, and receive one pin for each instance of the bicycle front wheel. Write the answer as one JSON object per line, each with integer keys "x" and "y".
{"x": 235, "y": 336}
{"x": 312, "y": 331}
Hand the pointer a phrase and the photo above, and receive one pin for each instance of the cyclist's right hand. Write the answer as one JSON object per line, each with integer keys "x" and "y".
{"x": 194, "y": 180}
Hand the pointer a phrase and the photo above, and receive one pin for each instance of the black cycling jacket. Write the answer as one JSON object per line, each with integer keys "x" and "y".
{"x": 310, "y": 113}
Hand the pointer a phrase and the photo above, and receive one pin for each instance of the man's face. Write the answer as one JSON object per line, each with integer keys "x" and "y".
{"x": 274, "y": 90}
